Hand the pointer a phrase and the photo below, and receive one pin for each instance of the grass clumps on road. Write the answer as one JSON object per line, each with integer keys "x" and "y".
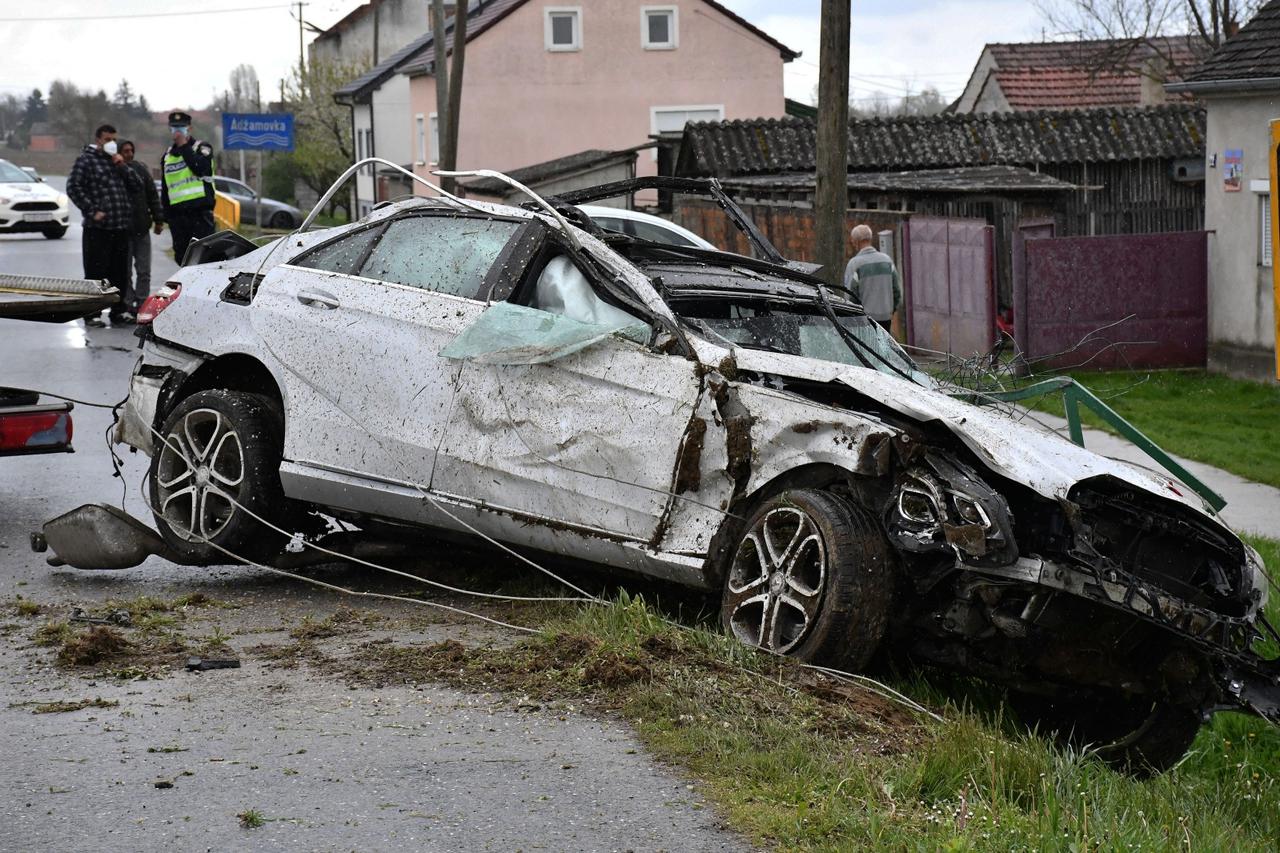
{"x": 1224, "y": 422}
{"x": 63, "y": 707}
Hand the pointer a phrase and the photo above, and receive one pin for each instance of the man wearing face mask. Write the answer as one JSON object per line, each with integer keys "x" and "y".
{"x": 187, "y": 189}
{"x": 101, "y": 186}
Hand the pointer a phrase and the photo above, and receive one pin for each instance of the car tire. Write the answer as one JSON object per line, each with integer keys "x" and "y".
{"x": 55, "y": 233}
{"x": 1138, "y": 737}
{"x": 219, "y": 445}
{"x": 810, "y": 576}
{"x": 281, "y": 220}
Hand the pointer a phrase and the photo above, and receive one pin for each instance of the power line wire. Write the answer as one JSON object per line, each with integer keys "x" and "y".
{"x": 76, "y": 18}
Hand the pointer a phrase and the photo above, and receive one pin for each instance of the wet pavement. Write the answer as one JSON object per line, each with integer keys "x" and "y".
{"x": 329, "y": 766}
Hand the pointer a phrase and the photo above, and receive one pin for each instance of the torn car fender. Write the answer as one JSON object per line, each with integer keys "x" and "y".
{"x": 745, "y": 436}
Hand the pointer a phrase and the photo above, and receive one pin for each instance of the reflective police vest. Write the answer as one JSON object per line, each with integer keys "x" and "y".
{"x": 182, "y": 183}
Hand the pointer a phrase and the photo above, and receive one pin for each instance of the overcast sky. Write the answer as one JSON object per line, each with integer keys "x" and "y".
{"x": 177, "y": 58}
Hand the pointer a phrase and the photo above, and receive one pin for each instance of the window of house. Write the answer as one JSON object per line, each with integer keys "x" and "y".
{"x": 564, "y": 28}
{"x": 420, "y": 123}
{"x": 659, "y": 27}
{"x": 1264, "y": 239}
{"x": 434, "y": 122}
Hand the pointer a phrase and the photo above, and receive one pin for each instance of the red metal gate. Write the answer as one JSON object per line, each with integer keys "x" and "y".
{"x": 1132, "y": 300}
{"x": 950, "y": 289}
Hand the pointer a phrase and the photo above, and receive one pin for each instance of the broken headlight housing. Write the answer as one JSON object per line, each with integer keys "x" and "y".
{"x": 941, "y": 505}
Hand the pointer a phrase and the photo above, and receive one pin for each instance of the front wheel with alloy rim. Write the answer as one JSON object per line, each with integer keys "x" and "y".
{"x": 218, "y": 465}
{"x": 810, "y": 576}
{"x": 1140, "y": 736}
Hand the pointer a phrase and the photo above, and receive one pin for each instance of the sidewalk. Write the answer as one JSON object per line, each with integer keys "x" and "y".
{"x": 1251, "y": 507}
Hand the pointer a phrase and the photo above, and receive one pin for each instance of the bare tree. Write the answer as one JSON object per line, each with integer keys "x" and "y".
{"x": 1177, "y": 33}
{"x": 243, "y": 94}
{"x": 324, "y": 143}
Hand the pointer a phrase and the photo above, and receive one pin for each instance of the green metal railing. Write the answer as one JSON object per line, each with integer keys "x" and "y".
{"x": 1073, "y": 396}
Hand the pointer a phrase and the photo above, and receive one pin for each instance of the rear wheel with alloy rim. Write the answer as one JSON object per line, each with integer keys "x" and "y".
{"x": 218, "y": 466}
{"x": 810, "y": 577}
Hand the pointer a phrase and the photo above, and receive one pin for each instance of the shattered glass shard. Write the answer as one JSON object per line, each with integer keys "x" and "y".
{"x": 513, "y": 334}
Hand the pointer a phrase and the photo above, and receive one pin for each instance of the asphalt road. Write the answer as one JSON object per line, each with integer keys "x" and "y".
{"x": 328, "y": 765}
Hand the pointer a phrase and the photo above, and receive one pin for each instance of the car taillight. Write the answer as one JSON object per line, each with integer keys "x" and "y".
{"x": 34, "y": 431}
{"x": 157, "y": 302}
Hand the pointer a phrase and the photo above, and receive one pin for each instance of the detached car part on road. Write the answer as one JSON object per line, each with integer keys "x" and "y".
{"x": 721, "y": 421}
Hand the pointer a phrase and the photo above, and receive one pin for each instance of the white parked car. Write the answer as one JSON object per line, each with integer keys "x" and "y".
{"x": 28, "y": 204}
{"x": 720, "y": 421}
{"x": 645, "y": 226}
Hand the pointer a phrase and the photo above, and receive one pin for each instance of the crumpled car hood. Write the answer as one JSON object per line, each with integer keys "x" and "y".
{"x": 1045, "y": 462}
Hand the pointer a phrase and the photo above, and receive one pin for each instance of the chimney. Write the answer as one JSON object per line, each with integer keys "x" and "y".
{"x": 1230, "y": 28}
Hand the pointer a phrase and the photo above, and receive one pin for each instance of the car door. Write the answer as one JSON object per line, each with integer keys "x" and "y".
{"x": 356, "y": 325}
{"x": 589, "y": 440}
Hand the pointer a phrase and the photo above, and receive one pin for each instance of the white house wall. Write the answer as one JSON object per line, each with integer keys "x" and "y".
{"x": 1241, "y": 302}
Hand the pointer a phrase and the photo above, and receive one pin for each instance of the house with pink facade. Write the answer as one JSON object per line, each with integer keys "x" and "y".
{"x": 546, "y": 79}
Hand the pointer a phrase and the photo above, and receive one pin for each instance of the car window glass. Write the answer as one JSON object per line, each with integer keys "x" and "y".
{"x": 11, "y": 174}
{"x": 343, "y": 255}
{"x": 447, "y": 254}
{"x": 658, "y": 234}
{"x": 609, "y": 223}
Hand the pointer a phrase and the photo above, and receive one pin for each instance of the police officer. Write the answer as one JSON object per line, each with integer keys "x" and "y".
{"x": 187, "y": 189}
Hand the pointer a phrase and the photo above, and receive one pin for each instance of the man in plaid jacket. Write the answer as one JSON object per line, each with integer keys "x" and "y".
{"x": 101, "y": 184}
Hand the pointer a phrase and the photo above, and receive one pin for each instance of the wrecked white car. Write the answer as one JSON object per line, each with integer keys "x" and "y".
{"x": 716, "y": 420}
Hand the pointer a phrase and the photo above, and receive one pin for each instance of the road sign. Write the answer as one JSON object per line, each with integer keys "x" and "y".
{"x": 257, "y": 131}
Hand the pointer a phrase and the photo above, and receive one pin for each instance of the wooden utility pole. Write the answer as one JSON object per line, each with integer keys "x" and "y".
{"x": 442, "y": 81}
{"x": 450, "y": 158}
{"x": 832, "y": 197}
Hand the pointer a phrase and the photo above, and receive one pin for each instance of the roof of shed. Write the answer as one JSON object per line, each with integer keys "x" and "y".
{"x": 966, "y": 179}
{"x": 764, "y": 146}
{"x": 538, "y": 172}
{"x": 1250, "y": 54}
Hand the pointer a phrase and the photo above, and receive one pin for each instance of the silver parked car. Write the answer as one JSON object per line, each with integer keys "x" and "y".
{"x": 266, "y": 212}
{"x": 720, "y": 421}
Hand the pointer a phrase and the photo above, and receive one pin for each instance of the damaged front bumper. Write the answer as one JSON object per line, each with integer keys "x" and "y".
{"x": 1245, "y": 679}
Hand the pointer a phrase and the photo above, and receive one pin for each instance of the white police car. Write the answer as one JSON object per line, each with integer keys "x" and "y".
{"x": 28, "y": 204}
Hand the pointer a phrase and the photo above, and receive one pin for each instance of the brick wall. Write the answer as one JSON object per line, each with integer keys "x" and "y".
{"x": 788, "y": 226}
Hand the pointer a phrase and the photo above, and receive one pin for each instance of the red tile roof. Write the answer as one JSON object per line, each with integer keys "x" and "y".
{"x": 1183, "y": 51}
{"x": 1067, "y": 88}
{"x": 1081, "y": 74}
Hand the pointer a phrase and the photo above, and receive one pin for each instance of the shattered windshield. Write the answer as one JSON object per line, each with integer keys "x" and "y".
{"x": 793, "y": 327}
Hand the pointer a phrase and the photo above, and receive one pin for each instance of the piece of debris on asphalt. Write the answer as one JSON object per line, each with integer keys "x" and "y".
{"x": 119, "y": 617}
{"x": 202, "y": 664}
{"x": 164, "y": 783}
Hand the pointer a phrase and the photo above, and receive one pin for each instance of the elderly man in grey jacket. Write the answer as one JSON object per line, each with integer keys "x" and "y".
{"x": 873, "y": 279}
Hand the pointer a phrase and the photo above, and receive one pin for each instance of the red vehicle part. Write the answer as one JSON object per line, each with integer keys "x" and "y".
{"x": 157, "y": 302}
{"x": 35, "y": 429}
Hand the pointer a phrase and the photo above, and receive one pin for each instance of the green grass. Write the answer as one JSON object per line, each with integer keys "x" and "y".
{"x": 794, "y": 767}
{"x": 1228, "y": 423}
